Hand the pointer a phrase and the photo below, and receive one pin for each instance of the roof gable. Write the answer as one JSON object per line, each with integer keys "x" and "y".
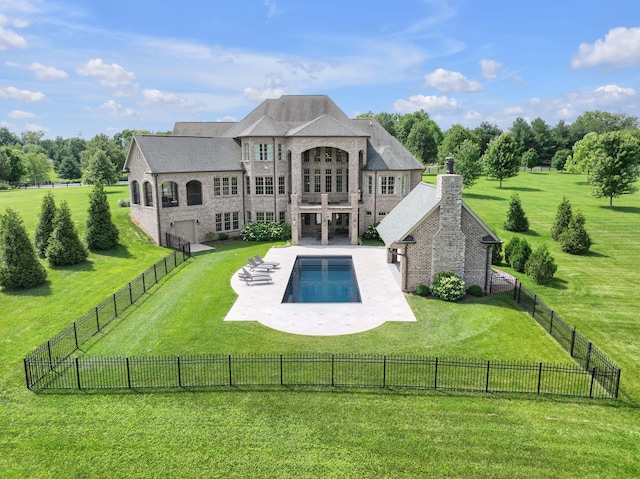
{"x": 265, "y": 126}
{"x": 324, "y": 125}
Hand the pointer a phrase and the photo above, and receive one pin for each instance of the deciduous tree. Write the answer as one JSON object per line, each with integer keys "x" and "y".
{"x": 530, "y": 159}
{"x": 501, "y": 159}
{"x": 97, "y": 168}
{"x": 467, "y": 162}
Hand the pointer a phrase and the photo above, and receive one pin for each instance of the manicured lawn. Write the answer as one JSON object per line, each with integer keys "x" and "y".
{"x": 307, "y": 433}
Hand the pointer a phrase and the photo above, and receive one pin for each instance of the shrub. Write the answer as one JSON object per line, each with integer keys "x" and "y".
{"x": 475, "y": 290}
{"x": 508, "y": 249}
{"x": 65, "y": 247}
{"x": 563, "y": 218}
{"x": 101, "y": 232}
{"x": 496, "y": 254}
{"x": 223, "y": 236}
{"x": 520, "y": 255}
{"x": 124, "y": 203}
{"x": 372, "y": 233}
{"x": 541, "y": 266}
{"x": 422, "y": 290}
{"x": 19, "y": 266}
{"x": 560, "y": 159}
{"x": 45, "y": 224}
{"x": 448, "y": 286}
{"x": 575, "y": 239}
{"x": 516, "y": 219}
{"x": 266, "y": 232}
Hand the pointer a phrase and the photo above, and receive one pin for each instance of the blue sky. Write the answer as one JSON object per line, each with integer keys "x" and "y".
{"x": 71, "y": 67}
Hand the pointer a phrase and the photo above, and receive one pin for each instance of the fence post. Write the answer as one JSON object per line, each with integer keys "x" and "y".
{"x": 179, "y": 375}
{"x": 165, "y": 266}
{"x": 75, "y": 334}
{"x": 26, "y": 372}
{"x": 332, "y": 370}
{"x": 130, "y": 295}
{"x": 486, "y": 388}
{"x": 519, "y": 292}
{"x": 617, "y": 389}
{"x": 115, "y": 305}
{"x": 175, "y": 259}
{"x": 593, "y": 378}
{"x": 573, "y": 341}
{"x": 155, "y": 274}
{"x": 384, "y": 371}
{"x": 551, "y": 323}
{"x": 515, "y": 291}
{"x": 588, "y": 358}
{"x": 128, "y": 374}
{"x": 539, "y": 377}
{"x": 281, "y": 373}
{"x": 230, "y": 378}
{"x": 535, "y": 301}
{"x": 50, "y": 359}
{"x": 435, "y": 376}
{"x": 78, "y": 372}
{"x": 144, "y": 285}
{"x": 97, "y": 319}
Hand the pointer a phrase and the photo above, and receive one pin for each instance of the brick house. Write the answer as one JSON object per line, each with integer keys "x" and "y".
{"x": 433, "y": 230}
{"x": 297, "y": 159}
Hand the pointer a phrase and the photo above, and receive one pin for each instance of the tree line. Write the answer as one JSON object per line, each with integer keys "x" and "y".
{"x": 30, "y": 158}
{"x": 605, "y": 146}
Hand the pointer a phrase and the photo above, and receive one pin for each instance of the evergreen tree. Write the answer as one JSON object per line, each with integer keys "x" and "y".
{"x": 563, "y": 218}
{"x": 45, "y": 224}
{"x": 541, "y": 266}
{"x": 19, "y": 266}
{"x": 575, "y": 239}
{"x": 101, "y": 232}
{"x": 509, "y": 248}
{"x": 65, "y": 247}
{"x": 516, "y": 219}
{"x": 520, "y": 255}
{"x": 496, "y": 254}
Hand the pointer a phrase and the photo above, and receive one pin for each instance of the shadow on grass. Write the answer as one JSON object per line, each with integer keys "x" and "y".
{"x": 557, "y": 283}
{"x": 484, "y": 197}
{"x": 520, "y": 188}
{"x": 119, "y": 251}
{"x": 594, "y": 254}
{"x": 42, "y": 290}
{"x": 86, "y": 265}
{"x": 621, "y": 209}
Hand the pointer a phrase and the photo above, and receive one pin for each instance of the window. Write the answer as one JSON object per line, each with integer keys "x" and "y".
{"x": 218, "y": 221}
{"x": 327, "y": 180}
{"x": 246, "y": 149}
{"x": 169, "y": 194}
{"x": 135, "y": 193}
{"x": 263, "y": 152}
{"x": 405, "y": 184}
{"x": 148, "y": 194}
{"x": 386, "y": 185}
{"x": 247, "y": 185}
{"x": 369, "y": 185}
{"x": 280, "y": 156}
{"x": 194, "y": 193}
{"x": 305, "y": 156}
{"x": 339, "y": 180}
{"x": 306, "y": 182}
{"x": 247, "y": 217}
{"x": 236, "y": 220}
{"x": 225, "y": 186}
{"x": 234, "y": 185}
{"x": 281, "y": 187}
{"x": 317, "y": 154}
{"x": 268, "y": 185}
{"x": 264, "y": 217}
{"x": 339, "y": 156}
{"x": 328, "y": 154}
{"x": 317, "y": 186}
{"x": 227, "y": 221}
{"x": 259, "y": 185}
{"x": 216, "y": 186}
{"x": 281, "y": 216}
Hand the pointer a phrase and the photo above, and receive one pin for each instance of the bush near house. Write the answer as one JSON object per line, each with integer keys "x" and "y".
{"x": 475, "y": 290}
{"x": 266, "y": 232}
{"x": 541, "y": 266}
{"x": 496, "y": 254}
{"x": 448, "y": 286}
{"x": 372, "y": 233}
{"x": 423, "y": 290}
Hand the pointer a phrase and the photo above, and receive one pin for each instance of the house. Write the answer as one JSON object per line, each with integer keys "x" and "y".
{"x": 433, "y": 230}
{"x": 297, "y": 158}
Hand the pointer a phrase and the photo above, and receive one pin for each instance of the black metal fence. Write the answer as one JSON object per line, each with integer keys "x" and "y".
{"x": 176, "y": 242}
{"x": 324, "y": 370}
{"x": 59, "y": 348}
{"x": 588, "y": 356}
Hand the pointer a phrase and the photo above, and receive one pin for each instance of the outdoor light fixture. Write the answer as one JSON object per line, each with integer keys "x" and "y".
{"x": 171, "y": 224}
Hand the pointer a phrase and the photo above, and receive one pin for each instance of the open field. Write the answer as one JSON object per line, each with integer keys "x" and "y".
{"x": 304, "y": 433}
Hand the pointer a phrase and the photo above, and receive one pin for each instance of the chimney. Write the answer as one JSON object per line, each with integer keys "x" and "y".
{"x": 449, "y": 170}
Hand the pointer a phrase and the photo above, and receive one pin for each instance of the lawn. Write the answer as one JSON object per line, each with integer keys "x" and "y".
{"x": 307, "y": 433}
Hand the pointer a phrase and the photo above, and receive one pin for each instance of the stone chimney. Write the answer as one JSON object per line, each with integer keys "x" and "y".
{"x": 448, "y": 247}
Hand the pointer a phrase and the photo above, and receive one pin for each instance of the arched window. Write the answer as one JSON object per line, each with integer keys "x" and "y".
{"x": 169, "y": 194}
{"x": 135, "y": 193}
{"x": 194, "y": 193}
{"x": 148, "y": 194}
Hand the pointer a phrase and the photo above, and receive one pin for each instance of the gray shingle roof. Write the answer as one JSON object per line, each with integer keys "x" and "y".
{"x": 325, "y": 125}
{"x": 202, "y": 128}
{"x": 402, "y": 219}
{"x": 265, "y": 126}
{"x": 179, "y": 154}
{"x": 384, "y": 151}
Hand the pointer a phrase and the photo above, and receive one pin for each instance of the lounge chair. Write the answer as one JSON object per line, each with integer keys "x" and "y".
{"x": 250, "y": 278}
{"x": 261, "y": 262}
{"x": 259, "y": 267}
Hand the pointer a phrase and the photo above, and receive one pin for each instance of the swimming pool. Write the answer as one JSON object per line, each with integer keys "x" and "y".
{"x": 322, "y": 279}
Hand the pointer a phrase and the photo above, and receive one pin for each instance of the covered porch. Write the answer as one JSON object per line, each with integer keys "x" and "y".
{"x": 324, "y": 222}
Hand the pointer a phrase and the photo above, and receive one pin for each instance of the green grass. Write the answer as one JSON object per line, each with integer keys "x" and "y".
{"x": 345, "y": 433}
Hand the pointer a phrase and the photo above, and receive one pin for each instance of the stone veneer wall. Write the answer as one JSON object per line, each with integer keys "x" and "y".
{"x": 475, "y": 265}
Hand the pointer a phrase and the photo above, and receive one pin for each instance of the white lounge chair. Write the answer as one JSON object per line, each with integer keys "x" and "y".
{"x": 262, "y": 262}
{"x": 259, "y": 267}
{"x": 250, "y": 278}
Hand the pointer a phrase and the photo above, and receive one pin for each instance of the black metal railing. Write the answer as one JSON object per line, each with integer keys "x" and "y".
{"x": 588, "y": 356}
{"x": 324, "y": 370}
{"x": 59, "y": 348}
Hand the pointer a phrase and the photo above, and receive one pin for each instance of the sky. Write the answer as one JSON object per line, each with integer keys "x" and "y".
{"x": 77, "y": 68}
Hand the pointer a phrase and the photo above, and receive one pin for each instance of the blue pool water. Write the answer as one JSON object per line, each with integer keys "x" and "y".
{"x": 322, "y": 279}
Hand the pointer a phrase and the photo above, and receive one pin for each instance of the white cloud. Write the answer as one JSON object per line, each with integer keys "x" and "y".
{"x": 272, "y": 8}
{"x": 36, "y": 127}
{"x": 620, "y": 48}
{"x": 115, "y": 109}
{"x": 614, "y": 92}
{"x": 490, "y": 68}
{"x": 110, "y": 75}
{"x": 449, "y": 81}
{"x": 520, "y": 81}
{"x": 44, "y": 72}
{"x": 513, "y": 111}
{"x": 22, "y": 95}
{"x": 154, "y": 97}
{"x": 10, "y": 39}
{"x": 472, "y": 115}
{"x": 534, "y": 101}
{"x": 258, "y": 95}
{"x": 427, "y": 103}
{"x": 21, "y": 115}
